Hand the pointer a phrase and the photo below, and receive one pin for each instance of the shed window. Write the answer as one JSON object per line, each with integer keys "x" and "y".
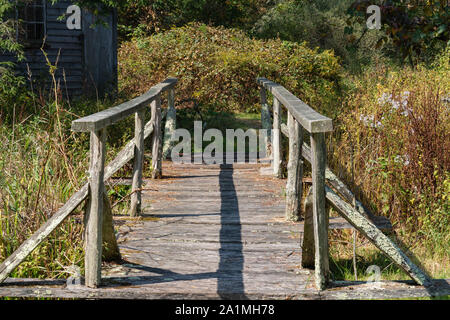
{"x": 31, "y": 15}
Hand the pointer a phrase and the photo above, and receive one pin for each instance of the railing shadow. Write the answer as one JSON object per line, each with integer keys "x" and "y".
{"x": 230, "y": 280}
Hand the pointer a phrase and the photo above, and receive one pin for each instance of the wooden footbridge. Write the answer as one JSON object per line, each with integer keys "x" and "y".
{"x": 220, "y": 231}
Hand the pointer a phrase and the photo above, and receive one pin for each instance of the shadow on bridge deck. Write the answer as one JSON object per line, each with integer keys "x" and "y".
{"x": 236, "y": 257}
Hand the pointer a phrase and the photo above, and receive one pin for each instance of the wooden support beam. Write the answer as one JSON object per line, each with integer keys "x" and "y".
{"x": 308, "y": 255}
{"x": 295, "y": 171}
{"x": 28, "y": 246}
{"x": 93, "y": 246}
{"x": 276, "y": 134}
{"x": 320, "y": 216}
{"x": 171, "y": 124}
{"x": 266, "y": 122}
{"x": 136, "y": 196}
{"x": 110, "y": 249}
{"x": 157, "y": 139}
{"x": 380, "y": 240}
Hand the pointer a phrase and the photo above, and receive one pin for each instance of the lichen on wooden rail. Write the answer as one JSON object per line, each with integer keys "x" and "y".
{"x": 380, "y": 240}
{"x": 170, "y": 126}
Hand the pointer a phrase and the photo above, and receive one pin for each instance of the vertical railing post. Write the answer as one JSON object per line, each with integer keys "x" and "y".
{"x": 94, "y": 214}
{"x": 308, "y": 251}
{"x": 320, "y": 218}
{"x": 136, "y": 196}
{"x": 295, "y": 170}
{"x": 276, "y": 134}
{"x": 157, "y": 139}
{"x": 266, "y": 122}
{"x": 171, "y": 124}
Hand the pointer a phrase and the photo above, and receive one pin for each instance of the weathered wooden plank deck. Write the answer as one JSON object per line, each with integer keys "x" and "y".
{"x": 214, "y": 232}
{"x": 221, "y": 227}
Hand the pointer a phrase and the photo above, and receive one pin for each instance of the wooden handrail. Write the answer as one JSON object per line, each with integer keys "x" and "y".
{"x": 315, "y": 237}
{"x": 97, "y": 124}
{"x": 103, "y": 119}
{"x": 300, "y": 115}
{"x": 310, "y": 119}
{"x": 129, "y": 152}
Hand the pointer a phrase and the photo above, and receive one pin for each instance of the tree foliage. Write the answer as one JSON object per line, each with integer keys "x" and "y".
{"x": 150, "y": 16}
{"x": 416, "y": 28}
{"x": 319, "y": 23}
{"x": 8, "y": 41}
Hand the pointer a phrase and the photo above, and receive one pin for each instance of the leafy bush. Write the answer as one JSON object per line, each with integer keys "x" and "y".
{"x": 7, "y": 30}
{"x": 218, "y": 67}
{"x": 396, "y": 133}
{"x": 14, "y": 97}
{"x": 418, "y": 31}
{"x": 320, "y": 24}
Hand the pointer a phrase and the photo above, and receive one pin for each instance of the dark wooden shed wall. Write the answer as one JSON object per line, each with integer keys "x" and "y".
{"x": 87, "y": 58}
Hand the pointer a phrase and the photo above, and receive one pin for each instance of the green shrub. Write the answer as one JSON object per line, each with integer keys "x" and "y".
{"x": 320, "y": 24}
{"x": 15, "y": 100}
{"x": 218, "y": 67}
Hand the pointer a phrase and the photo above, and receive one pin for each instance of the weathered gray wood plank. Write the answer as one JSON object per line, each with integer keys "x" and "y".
{"x": 94, "y": 214}
{"x": 380, "y": 240}
{"x": 320, "y": 215}
{"x": 136, "y": 196}
{"x": 311, "y": 120}
{"x": 171, "y": 124}
{"x": 276, "y": 143}
{"x": 110, "y": 116}
{"x": 266, "y": 122}
{"x": 294, "y": 187}
{"x": 157, "y": 139}
{"x": 162, "y": 287}
{"x": 308, "y": 254}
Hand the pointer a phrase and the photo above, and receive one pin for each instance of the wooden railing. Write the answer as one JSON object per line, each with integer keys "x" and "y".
{"x": 97, "y": 124}
{"x": 93, "y": 190}
{"x": 326, "y": 186}
{"x": 300, "y": 115}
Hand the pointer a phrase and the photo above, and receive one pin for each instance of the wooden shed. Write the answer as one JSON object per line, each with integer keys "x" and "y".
{"x": 82, "y": 45}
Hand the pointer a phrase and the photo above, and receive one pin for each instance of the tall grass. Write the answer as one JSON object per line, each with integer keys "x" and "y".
{"x": 37, "y": 175}
{"x": 394, "y": 139}
{"x": 42, "y": 164}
